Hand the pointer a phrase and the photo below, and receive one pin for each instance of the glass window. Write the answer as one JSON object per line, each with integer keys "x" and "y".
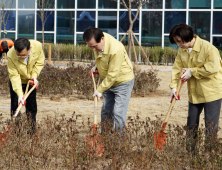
{"x": 9, "y": 4}
{"x": 107, "y": 4}
{"x": 153, "y": 4}
{"x": 49, "y": 23}
{"x": 217, "y": 4}
{"x": 107, "y": 22}
{"x": 65, "y": 27}
{"x": 86, "y": 3}
{"x": 124, "y": 21}
{"x": 9, "y": 20}
{"x": 79, "y": 40}
{"x": 200, "y": 4}
{"x": 125, "y": 40}
{"x": 133, "y": 5}
{"x": 217, "y": 42}
{"x": 47, "y": 4}
{"x": 167, "y": 43}
{"x": 48, "y": 38}
{"x": 173, "y": 18}
{"x": 217, "y": 22}
{"x": 10, "y": 35}
{"x": 175, "y": 4}
{"x": 65, "y": 4}
{"x": 200, "y": 22}
{"x": 26, "y": 23}
{"x": 26, "y": 4}
{"x": 151, "y": 28}
{"x": 85, "y": 19}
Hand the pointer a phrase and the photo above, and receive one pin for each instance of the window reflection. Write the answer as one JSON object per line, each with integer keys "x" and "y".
{"x": 107, "y": 22}
{"x": 9, "y": 20}
{"x": 65, "y": 4}
{"x": 153, "y": 4}
{"x": 86, "y": 3}
{"x": 151, "y": 28}
{"x": 85, "y": 19}
{"x": 217, "y": 42}
{"x": 175, "y": 4}
{"x": 173, "y": 18}
{"x": 107, "y": 4}
{"x": 124, "y": 21}
{"x": 133, "y": 5}
{"x": 217, "y": 4}
{"x": 26, "y": 4}
{"x": 217, "y": 23}
{"x": 79, "y": 40}
{"x": 65, "y": 27}
{"x": 48, "y": 38}
{"x": 125, "y": 40}
{"x": 49, "y": 24}
{"x": 200, "y": 22}
{"x": 167, "y": 43}
{"x": 200, "y": 4}
{"x": 10, "y": 35}
{"x": 26, "y": 24}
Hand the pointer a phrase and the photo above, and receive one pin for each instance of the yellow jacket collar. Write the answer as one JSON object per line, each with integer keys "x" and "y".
{"x": 196, "y": 46}
{"x": 106, "y": 46}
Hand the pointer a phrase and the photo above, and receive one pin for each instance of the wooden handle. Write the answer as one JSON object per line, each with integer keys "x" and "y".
{"x": 95, "y": 99}
{"x": 179, "y": 87}
{"x": 25, "y": 97}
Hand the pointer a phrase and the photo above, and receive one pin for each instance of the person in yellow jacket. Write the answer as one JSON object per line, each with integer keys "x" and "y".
{"x": 203, "y": 66}
{"x": 116, "y": 70}
{"x": 25, "y": 62}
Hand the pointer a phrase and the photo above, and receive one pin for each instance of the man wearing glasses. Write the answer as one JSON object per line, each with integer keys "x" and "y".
{"x": 25, "y": 62}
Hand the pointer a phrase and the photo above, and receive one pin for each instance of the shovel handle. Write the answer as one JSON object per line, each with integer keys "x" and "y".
{"x": 95, "y": 100}
{"x": 25, "y": 97}
{"x": 179, "y": 87}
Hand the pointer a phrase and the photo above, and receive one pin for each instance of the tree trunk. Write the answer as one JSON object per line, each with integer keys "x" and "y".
{"x": 42, "y": 35}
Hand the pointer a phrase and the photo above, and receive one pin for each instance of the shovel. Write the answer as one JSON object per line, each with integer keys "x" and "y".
{"x": 3, "y": 136}
{"x": 94, "y": 141}
{"x": 161, "y": 137}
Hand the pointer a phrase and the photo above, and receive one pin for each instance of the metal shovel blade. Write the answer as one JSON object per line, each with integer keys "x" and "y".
{"x": 160, "y": 139}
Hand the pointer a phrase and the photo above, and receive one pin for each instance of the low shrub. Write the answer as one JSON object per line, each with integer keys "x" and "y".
{"x": 59, "y": 143}
{"x": 75, "y": 80}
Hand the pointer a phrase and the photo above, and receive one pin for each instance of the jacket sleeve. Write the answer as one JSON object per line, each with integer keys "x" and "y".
{"x": 210, "y": 68}
{"x": 38, "y": 65}
{"x": 14, "y": 78}
{"x": 115, "y": 64}
{"x": 177, "y": 66}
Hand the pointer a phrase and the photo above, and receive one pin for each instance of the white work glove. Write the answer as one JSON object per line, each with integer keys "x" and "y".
{"x": 34, "y": 82}
{"x": 98, "y": 94}
{"x": 174, "y": 94}
{"x": 21, "y": 100}
{"x": 187, "y": 75}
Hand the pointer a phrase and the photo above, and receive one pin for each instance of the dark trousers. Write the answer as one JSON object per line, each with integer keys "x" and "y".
{"x": 1, "y": 52}
{"x": 211, "y": 113}
{"x": 31, "y": 105}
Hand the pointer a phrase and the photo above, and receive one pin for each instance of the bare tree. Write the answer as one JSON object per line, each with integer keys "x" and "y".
{"x": 45, "y": 10}
{"x": 4, "y": 14}
{"x": 128, "y": 5}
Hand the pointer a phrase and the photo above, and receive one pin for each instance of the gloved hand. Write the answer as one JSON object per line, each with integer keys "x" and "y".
{"x": 34, "y": 81}
{"x": 98, "y": 94}
{"x": 95, "y": 71}
{"x": 174, "y": 94}
{"x": 187, "y": 75}
{"x": 21, "y": 100}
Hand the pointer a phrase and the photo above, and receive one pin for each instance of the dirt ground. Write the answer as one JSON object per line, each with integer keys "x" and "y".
{"x": 154, "y": 104}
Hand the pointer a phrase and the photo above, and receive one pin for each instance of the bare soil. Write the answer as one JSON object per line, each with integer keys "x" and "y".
{"x": 155, "y": 105}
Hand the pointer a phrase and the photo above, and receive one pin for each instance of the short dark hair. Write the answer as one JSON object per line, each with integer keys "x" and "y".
{"x": 4, "y": 44}
{"x": 184, "y": 31}
{"x": 21, "y": 43}
{"x": 91, "y": 32}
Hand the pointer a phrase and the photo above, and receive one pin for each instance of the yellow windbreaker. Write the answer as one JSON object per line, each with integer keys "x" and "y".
{"x": 113, "y": 64}
{"x": 19, "y": 72}
{"x": 205, "y": 85}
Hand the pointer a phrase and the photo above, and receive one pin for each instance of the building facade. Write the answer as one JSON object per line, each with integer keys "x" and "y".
{"x": 69, "y": 18}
